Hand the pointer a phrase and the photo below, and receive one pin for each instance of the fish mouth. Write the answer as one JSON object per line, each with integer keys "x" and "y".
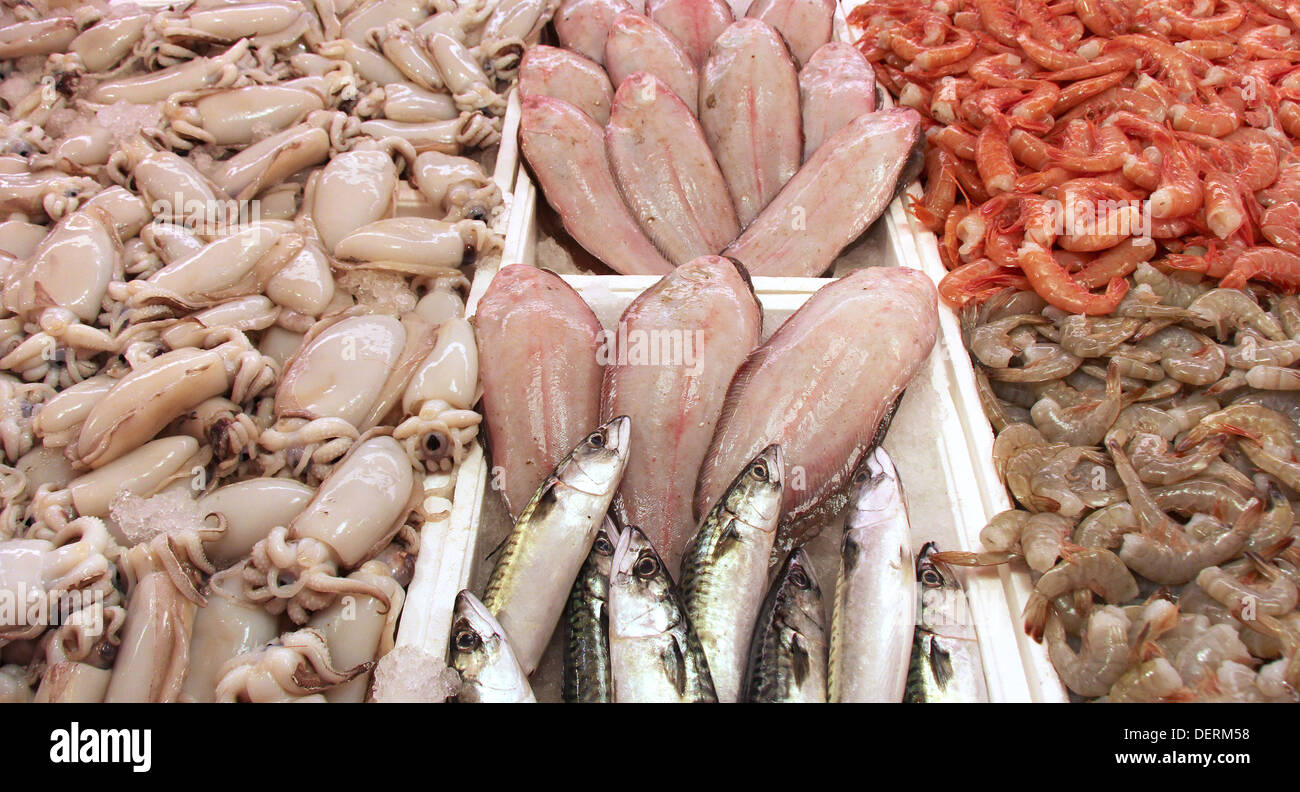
{"x": 475, "y": 611}
{"x": 618, "y": 435}
{"x": 622, "y": 546}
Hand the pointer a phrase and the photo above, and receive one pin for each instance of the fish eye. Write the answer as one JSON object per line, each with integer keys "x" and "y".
{"x": 604, "y": 546}
{"x": 861, "y": 477}
{"x": 931, "y": 578}
{"x": 800, "y": 578}
{"x": 646, "y": 567}
{"x": 597, "y": 439}
{"x": 759, "y": 471}
{"x": 467, "y": 640}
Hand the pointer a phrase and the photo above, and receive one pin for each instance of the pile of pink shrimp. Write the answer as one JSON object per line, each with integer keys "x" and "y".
{"x": 1174, "y": 121}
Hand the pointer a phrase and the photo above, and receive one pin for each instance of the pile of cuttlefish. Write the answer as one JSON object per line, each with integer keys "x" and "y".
{"x": 232, "y": 339}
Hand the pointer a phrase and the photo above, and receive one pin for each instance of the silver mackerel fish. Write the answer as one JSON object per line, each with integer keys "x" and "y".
{"x": 480, "y": 653}
{"x": 541, "y": 557}
{"x": 875, "y": 598}
{"x": 946, "y": 665}
{"x": 654, "y": 653}
{"x": 724, "y": 570}
{"x": 787, "y": 660}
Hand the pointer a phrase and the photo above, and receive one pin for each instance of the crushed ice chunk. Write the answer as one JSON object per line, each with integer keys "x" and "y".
{"x": 141, "y": 519}
{"x": 124, "y": 120}
{"x": 409, "y": 674}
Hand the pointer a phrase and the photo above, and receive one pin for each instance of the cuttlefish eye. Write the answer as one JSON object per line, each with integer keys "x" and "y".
{"x": 597, "y": 439}
{"x": 437, "y": 445}
{"x": 759, "y": 471}
{"x": 647, "y": 566}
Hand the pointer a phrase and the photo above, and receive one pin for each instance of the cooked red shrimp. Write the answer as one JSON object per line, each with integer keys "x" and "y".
{"x": 1280, "y": 224}
{"x": 1102, "y": 17}
{"x": 1269, "y": 264}
{"x": 980, "y": 106}
{"x": 1110, "y": 146}
{"x": 1037, "y": 106}
{"x": 1215, "y": 120}
{"x": 1140, "y": 170}
{"x": 1288, "y": 115}
{"x": 1055, "y": 285}
{"x": 1047, "y": 56}
{"x": 1121, "y": 61}
{"x": 1004, "y": 71}
{"x": 1118, "y": 262}
{"x": 1169, "y": 227}
{"x": 1081, "y": 91}
{"x": 1224, "y": 210}
{"x": 1043, "y": 180}
{"x": 1180, "y": 190}
{"x": 930, "y": 55}
{"x": 972, "y": 186}
{"x": 998, "y": 19}
{"x": 1174, "y": 64}
{"x": 945, "y": 102}
{"x": 1098, "y": 215}
{"x": 993, "y": 157}
{"x": 953, "y": 139}
{"x": 1199, "y": 26}
{"x": 1270, "y": 41}
{"x": 979, "y": 280}
{"x": 1214, "y": 49}
{"x": 1028, "y": 149}
{"x": 1254, "y": 157}
{"x": 1286, "y": 187}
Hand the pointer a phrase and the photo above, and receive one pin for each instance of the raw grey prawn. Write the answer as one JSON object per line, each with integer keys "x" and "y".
{"x": 1095, "y": 569}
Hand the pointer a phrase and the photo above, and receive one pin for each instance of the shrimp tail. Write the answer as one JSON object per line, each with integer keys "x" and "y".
{"x": 1035, "y": 616}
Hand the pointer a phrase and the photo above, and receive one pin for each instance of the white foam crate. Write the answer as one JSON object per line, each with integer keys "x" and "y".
{"x": 444, "y": 542}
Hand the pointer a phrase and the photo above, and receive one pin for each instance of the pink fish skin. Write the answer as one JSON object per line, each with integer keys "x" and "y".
{"x": 805, "y": 24}
{"x": 836, "y": 85}
{"x": 820, "y": 386}
{"x": 565, "y": 147}
{"x": 835, "y": 196}
{"x": 706, "y": 311}
{"x": 538, "y": 343}
{"x": 695, "y": 23}
{"x": 749, "y": 109}
{"x": 582, "y": 25}
{"x": 666, "y": 173}
{"x": 638, "y": 44}
{"x": 563, "y": 74}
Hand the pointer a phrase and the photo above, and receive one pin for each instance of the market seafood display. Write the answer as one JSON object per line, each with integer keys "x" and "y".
{"x": 1146, "y": 152}
{"x": 235, "y": 244}
{"x": 630, "y": 632}
{"x": 662, "y": 138}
